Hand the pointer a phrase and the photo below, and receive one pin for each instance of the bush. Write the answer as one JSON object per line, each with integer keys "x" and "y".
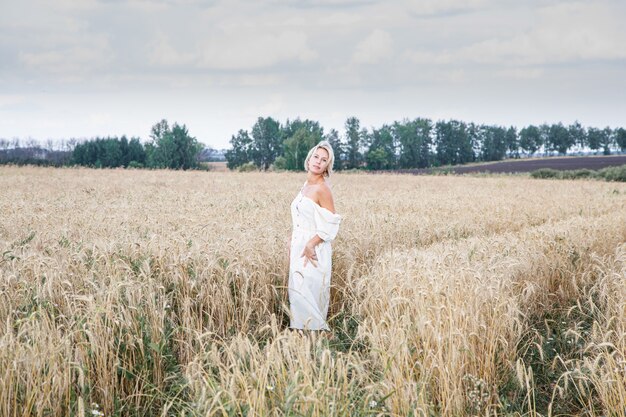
{"x": 204, "y": 166}
{"x": 578, "y": 173}
{"x": 613, "y": 173}
{"x": 280, "y": 164}
{"x": 247, "y": 167}
{"x": 608, "y": 174}
{"x": 135, "y": 164}
{"x": 546, "y": 173}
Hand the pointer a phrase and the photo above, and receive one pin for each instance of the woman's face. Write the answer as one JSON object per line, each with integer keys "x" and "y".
{"x": 319, "y": 161}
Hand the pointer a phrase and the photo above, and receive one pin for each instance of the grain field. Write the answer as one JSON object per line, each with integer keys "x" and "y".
{"x": 159, "y": 293}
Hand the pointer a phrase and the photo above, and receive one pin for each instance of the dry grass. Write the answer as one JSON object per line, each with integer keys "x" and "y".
{"x": 163, "y": 293}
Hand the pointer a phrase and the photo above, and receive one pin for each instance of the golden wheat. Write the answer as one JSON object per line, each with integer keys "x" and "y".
{"x": 163, "y": 293}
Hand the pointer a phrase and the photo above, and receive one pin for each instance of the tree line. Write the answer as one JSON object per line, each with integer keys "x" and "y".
{"x": 31, "y": 152}
{"x": 169, "y": 147}
{"x": 406, "y": 144}
{"x": 418, "y": 143}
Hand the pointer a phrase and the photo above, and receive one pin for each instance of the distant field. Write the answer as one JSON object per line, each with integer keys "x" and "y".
{"x": 529, "y": 165}
{"x": 217, "y": 166}
{"x": 163, "y": 293}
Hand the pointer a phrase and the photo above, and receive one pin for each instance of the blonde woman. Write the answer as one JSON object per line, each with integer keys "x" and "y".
{"x": 315, "y": 225}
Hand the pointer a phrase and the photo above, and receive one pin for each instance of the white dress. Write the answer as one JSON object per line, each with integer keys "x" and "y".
{"x": 309, "y": 286}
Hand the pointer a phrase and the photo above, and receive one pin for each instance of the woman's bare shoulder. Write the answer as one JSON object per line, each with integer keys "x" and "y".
{"x": 325, "y": 197}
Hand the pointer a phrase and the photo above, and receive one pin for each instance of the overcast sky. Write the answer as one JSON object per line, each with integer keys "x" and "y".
{"x": 85, "y": 68}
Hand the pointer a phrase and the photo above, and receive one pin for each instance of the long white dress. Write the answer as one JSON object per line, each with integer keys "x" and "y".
{"x": 309, "y": 286}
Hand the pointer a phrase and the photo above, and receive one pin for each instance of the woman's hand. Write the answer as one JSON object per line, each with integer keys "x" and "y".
{"x": 309, "y": 254}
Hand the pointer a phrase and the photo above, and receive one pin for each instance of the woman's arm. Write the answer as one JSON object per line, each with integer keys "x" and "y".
{"x": 325, "y": 200}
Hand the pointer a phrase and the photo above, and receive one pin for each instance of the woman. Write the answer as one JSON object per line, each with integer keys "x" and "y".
{"x": 315, "y": 225}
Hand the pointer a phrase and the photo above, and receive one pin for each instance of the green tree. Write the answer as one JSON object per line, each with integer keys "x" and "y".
{"x": 376, "y": 159}
{"x": 530, "y": 139}
{"x": 267, "y": 142}
{"x": 494, "y": 144}
{"x": 559, "y": 139}
{"x": 241, "y": 151}
{"x": 475, "y": 135}
{"x": 453, "y": 143}
{"x": 124, "y": 161}
{"x": 620, "y": 138}
{"x": 79, "y": 154}
{"x": 594, "y": 138}
{"x": 354, "y": 156}
{"x": 187, "y": 148}
{"x": 291, "y": 127}
{"x": 381, "y": 153}
{"x": 299, "y": 136}
{"x": 512, "y": 142}
{"x": 606, "y": 140}
{"x": 159, "y": 145}
{"x": 544, "y": 135}
{"x": 463, "y": 143}
{"x": 578, "y": 134}
{"x": 173, "y": 147}
{"x": 413, "y": 139}
{"x": 297, "y": 147}
{"x": 109, "y": 153}
{"x": 136, "y": 152}
{"x": 92, "y": 153}
{"x": 338, "y": 148}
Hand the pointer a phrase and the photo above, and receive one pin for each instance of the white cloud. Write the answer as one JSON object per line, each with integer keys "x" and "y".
{"x": 438, "y": 7}
{"x": 162, "y": 52}
{"x": 568, "y": 32}
{"x": 17, "y": 103}
{"x": 374, "y": 49}
{"x": 339, "y": 19}
{"x": 157, "y": 5}
{"x": 256, "y": 80}
{"x": 521, "y": 73}
{"x": 77, "y": 59}
{"x": 99, "y": 119}
{"x": 255, "y": 51}
{"x": 71, "y": 6}
{"x": 271, "y": 107}
{"x": 565, "y": 32}
{"x": 424, "y": 57}
{"x": 330, "y": 3}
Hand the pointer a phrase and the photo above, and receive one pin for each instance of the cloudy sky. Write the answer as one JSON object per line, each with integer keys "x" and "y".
{"x": 85, "y": 68}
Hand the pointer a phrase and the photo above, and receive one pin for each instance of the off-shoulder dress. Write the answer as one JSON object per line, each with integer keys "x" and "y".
{"x": 309, "y": 286}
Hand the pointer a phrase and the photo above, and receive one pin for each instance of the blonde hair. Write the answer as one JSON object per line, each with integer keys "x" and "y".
{"x": 331, "y": 157}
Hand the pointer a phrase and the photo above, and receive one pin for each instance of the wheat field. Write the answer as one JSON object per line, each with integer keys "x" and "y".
{"x": 159, "y": 293}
